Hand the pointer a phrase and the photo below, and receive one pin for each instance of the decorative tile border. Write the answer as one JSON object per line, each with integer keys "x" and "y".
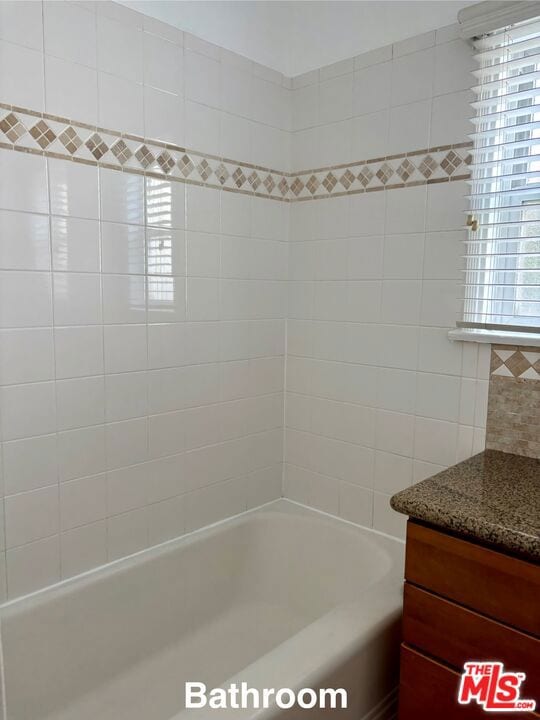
{"x": 52, "y": 136}
{"x": 515, "y": 362}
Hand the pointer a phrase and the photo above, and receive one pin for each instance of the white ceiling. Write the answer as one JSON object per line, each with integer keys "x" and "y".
{"x": 296, "y": 36}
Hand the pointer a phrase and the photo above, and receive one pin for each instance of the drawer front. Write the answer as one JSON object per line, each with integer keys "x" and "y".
{"x": 494, "y": 584}
{"x": 426, "y": 622}
{"x": 428, "y": 689}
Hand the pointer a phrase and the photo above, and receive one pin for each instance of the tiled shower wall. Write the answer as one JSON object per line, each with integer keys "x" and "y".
{"x": 144, "y": 310}
{"x": 377, "y": 396}
{"x": 142, "y": 319}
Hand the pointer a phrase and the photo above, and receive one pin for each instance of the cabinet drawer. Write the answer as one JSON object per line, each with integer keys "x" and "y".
{"x": 427, "y": 619}
{"x": 497, "y": 585}
{"x": 428, "y": 689}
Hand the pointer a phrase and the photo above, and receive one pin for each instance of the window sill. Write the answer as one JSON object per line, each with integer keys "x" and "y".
{"x": 496, "y": 337}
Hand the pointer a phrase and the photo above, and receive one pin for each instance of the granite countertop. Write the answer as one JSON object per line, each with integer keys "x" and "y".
{"x": 493, "y": 497}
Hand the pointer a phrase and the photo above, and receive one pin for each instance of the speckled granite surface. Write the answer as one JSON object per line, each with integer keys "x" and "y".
{"x": 493, "y": 497}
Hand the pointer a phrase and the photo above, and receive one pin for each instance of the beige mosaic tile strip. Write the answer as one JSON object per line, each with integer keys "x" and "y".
{"x": 513, "y": 421}
{"x": 52, "y": 136}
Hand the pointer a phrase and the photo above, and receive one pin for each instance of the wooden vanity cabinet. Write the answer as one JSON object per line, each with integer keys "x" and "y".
{"x": 462, "y": 602}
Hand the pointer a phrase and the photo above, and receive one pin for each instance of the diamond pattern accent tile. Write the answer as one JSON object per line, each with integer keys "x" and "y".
{"x": 442, "y": 162}
{"x": 522, "y": 363}
{"x": 384, "y": 173}
{"x": 42, "y": 134}
{"x": 312, "y": 184}
{"x": 97, "y": 146}
{"x": 121, "y": 151}
{"x": 239, "y": 177}
{"x": 365, "y": 176}
{"x": 269, "y": 183}
{"x": 204, "y": 169}
{"x": 517, "y": 364}
{"x": 405, "y": 170}
{"x": 12, "y": 127}
{"x": 186, "y": 165}
{"x": 428, "y": 166}
{"x": 144, "y": 156}
{"x": 347, "y": 179}
{"x": 450, "y": 162}
{"x": 283, "y": 186}
{"x": 330, "y": 182}
{"x": 222, "y": 173}
{"x": 70, "y": 140}
{"x": 297, "y": 186}
{"x": 166, "y": 162}
{"x": 254, "y": 180}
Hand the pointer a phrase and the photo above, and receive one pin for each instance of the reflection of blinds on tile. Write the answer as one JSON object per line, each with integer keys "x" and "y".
{"x": 159, "y": 241}
{"x": 502, "y": 280}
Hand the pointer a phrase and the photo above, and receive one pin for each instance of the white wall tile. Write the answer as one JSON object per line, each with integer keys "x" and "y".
{"x": 26, "y": 356}
{"x": 125, "y": 348}
{"x": 120, "y": 104}
{"x": 370, "y": 135}
{"x": 124, "y": 299}
{"x": 127, "y": 533}
{"x": 23, "y": 182}
{"x": 454, "y": 64}
{"x": 83, "y": 548}
{"x": 163, "y": 64}
{"x": 409, "y": 127}
{"x": 34, "y": 566}
{"x": 28, "y": 410}
{"x": 73, "y": 189}
{"x": 125, "y": 396}
{"x": 164, "y": 117}
{"x": 387, "y": 520}
{"x": 83, "y": 501}
{"x": 30, "y": 464}
{"x": 77, "y": 298}
{"x": 75, "y": 244}
{"x": 81, "y": 452}
{"x": 25, "y": 241}
{"x": 119, "y": 49}
{"x": 78, "y": 351}
{"x": 372, "y": 88}
{"x": 412, "y": 77}
{"x": 202, "y": 79}
{"x": 81, "y": 101}
{"x": 80, "y": 402}
{"x": 22, "y": 23}
{"x": 126, "y": 442}
{"x": 203, "y": 127}
{"x": 31, "y": 516}
{"x": 21, "y": 76}
{"x": 435, "y": 441}
{"x": 70, "y": 32}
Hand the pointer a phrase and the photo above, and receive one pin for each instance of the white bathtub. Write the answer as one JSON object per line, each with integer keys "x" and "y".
{"x": 278, "y": 597}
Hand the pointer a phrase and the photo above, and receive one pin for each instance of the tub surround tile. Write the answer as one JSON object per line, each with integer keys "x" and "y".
{"x": 493, "y": 497}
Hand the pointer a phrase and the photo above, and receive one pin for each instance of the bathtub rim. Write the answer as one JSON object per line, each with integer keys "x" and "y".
{"x": 127, "y": 561}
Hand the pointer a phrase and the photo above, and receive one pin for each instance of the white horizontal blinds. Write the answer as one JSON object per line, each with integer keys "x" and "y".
{"x": 502, "y": 285}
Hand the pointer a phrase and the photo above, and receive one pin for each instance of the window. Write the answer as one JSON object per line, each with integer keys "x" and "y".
{"x": 502, "y": 276}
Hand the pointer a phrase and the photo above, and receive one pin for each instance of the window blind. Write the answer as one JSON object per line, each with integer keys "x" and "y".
{"x": 502, "y": 269}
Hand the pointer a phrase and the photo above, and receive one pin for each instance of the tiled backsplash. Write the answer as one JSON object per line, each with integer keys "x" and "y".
{"x": 149, "y": 278}
{"x": 513, "y": 420}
